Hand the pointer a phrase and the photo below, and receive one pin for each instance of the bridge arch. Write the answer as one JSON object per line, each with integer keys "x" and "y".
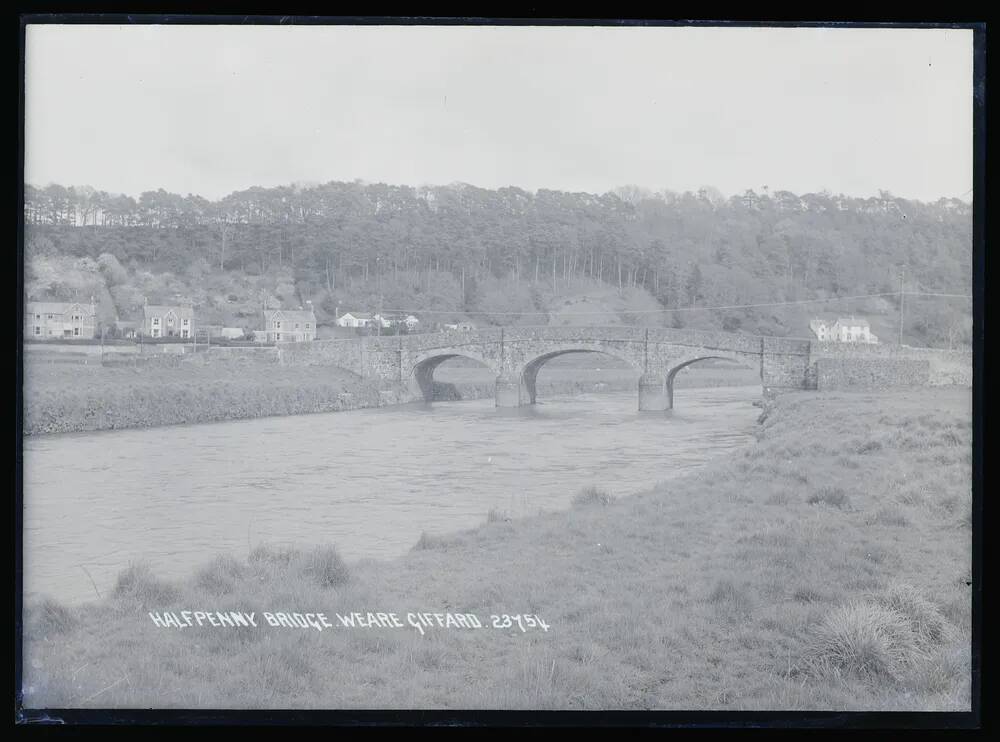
{"x": 426, "y": 364}
{"x": 741, "y": 359}
{"x": 529, "y": 371}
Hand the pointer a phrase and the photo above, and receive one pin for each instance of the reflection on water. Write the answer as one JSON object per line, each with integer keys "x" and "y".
{"x": 368, "y": 481}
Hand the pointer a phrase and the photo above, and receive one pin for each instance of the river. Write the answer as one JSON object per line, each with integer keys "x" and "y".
{"x": 369, "y": 481}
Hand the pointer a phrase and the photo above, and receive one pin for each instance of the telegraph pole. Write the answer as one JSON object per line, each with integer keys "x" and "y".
{"x": 902, "y": 298}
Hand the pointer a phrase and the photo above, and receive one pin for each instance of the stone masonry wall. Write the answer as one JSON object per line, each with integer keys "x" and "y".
{"x": 870, "y": 373}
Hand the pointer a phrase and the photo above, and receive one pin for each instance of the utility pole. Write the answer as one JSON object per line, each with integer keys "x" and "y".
{"x": 902, "y": 298}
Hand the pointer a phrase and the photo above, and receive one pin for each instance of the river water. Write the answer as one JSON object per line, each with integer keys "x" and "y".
{"x": 369, "y": 481}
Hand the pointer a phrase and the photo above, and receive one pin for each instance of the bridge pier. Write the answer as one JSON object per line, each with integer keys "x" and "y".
{"x": 510, "y": 391}
{"x": 655, "y": 394}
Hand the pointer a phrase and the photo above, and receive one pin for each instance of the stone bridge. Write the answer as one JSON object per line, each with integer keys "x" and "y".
{"x": 517, "y": 354}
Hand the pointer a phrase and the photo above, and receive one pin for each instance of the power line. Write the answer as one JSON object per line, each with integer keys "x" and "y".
{"x": 678, "y": 309}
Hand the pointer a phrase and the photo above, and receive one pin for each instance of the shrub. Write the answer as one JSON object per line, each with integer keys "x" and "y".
{"x": 833, "y": 496}
{"x": 864, "y": 639}
{"x": 138, "y": 583}
{"x": 325, "y": 567}
{"x": 593, "y": 496}
{"x": 426, "y": 541}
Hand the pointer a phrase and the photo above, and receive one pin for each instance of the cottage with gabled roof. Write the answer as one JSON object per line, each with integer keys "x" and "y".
{"x": 50, "y": 320}
{"x": 287, "y": 326}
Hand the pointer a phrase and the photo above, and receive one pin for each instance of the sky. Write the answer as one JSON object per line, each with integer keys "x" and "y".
{"x": 214, "y": 109}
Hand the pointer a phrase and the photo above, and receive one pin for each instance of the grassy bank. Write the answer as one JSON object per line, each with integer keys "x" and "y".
{"x": 826, "y": 566}
{"x": 64, "y": 398}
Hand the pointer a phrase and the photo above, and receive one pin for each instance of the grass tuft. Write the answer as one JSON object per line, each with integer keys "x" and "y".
{"x": 864, "y": 639}
{"x": 593, "y": 496}
{"x": 928, "y": 625}
{"x": 325, "y": 567}
{"x": 52, "y": 617}
{"x": 137, "y": 583}
{"x": 832, "y": 496}
{"x": 220, "y": 576}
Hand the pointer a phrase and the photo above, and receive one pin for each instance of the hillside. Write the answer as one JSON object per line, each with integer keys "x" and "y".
{"x": 771, "y": 262}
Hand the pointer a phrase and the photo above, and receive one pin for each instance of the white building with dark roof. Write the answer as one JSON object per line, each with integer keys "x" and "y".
{"x": 843, "y": 330}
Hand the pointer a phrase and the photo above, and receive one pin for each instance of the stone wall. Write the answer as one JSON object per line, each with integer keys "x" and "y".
{"x": 870, "y": 373}
{"x": 945, "y": 367}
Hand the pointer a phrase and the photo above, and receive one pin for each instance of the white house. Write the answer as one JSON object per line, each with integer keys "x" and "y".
{"x": 356, "y": 319}
{"x": 844, "y": 330}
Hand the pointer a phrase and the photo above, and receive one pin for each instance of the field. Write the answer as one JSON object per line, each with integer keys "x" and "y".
{"x": 826, "y": 566}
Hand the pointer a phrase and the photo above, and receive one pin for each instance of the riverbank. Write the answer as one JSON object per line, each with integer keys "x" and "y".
{"x": 74, "y": 398}
{"x": 826, "y": 566}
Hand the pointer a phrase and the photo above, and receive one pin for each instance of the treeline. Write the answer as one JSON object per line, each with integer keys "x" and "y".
{"x": 687, "y": 249}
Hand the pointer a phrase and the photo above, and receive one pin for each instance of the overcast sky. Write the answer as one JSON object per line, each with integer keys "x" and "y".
{"x": 213, "y": 109}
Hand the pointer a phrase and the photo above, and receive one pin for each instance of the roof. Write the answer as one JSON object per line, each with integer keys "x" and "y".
{"x": 853, "y": 322}
{"x": 359, "y": 315}
{"x": 291, "y": 315}
{"x": 54, "y": 307}
{"x": 180, "y": 310}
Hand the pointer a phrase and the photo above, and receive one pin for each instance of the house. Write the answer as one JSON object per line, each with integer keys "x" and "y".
{"x": 167, "y": 321}
{"x": 287, "y": 326}
{"x": 51, "y": 319}
{"x": 844, "y": 330}
{"x": 356, "y": 319}
{"x": 465, "y": 326}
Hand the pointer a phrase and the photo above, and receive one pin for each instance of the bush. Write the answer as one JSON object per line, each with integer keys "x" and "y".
{"x": 864, "y": 639}
{"x": 325, "y": 567}
{"x": 593, "y": 496}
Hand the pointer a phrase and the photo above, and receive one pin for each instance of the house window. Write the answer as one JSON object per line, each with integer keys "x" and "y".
{"x": 184, "y": 333}
{"x": 38, "y": 316}
{"x": 38, "y": 330}
{"x": 307, "y": 325}
{"x": 48, "y": 316}
{"x": 277, "y": 325}
{"x": 76, "y": 331}
{"x": 156, "y": 332}
{"x": 278, "y": 336}
{"x": 185, "y": 322}
{"x": 156, "y": 321}
{"x": 296, "y": 325}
